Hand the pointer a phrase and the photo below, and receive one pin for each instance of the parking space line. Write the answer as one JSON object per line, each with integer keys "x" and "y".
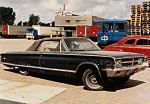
{"x": 15, "y": 88}
{"x": 27, "y": 93}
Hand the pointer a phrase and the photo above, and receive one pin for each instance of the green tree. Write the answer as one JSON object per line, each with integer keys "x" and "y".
{"x": 33, "y": 20}
{"x": 53, "y": 24}
{"x": 25, "y": 23}
{"x": 41, "y": 24}
{"x": 19, "y": 23}
{"x": 7, "y": 16}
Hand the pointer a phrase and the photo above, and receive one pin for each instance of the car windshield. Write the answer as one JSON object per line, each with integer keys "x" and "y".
{"x": 81, "y": 44}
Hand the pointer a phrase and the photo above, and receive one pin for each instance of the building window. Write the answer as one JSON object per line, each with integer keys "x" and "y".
{"x": 80, "y": 21}
{"x": 67, "y": 21}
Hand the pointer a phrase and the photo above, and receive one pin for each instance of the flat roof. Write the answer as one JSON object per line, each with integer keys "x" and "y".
{"x": 114, "y": 20}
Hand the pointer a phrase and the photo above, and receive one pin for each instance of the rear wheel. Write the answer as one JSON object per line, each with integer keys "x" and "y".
{"x": 92, "y": 81}
{"x": 23, "y": 71}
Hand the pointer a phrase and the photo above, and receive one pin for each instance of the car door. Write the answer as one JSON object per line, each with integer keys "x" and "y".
{"x": 119, "y": 32}
{"x": 128, "y": 46}
{"x": 53, "y": 55}
{"x": 109, "y": 31}
{"x": 143, "y": 46}
{"x": 77, "y": 47}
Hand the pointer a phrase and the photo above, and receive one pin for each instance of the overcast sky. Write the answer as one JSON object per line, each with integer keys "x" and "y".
{"x": 46, "y": 9}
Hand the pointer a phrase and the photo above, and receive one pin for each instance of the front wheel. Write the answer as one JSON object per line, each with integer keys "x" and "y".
{"x": 92, "y": 81}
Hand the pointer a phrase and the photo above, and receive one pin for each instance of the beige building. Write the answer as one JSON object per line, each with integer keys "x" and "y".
{"x": 70, "y": 22}
{"x": 73, "y": 21}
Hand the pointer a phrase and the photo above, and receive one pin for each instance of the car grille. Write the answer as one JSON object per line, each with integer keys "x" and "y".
{"x": 129, "y": 61}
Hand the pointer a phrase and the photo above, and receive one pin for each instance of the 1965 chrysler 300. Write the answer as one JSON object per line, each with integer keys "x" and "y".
{"x": 76, "y": 57}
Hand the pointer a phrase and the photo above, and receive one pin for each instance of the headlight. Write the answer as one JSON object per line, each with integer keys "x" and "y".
{"x": 140, "y": 60}
{"x": 118, "y": 63}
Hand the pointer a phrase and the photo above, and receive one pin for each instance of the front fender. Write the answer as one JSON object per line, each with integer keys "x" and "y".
{"x": 90, "y": 64}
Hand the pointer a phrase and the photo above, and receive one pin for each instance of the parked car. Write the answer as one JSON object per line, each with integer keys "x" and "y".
{"x": 76, "y": 57}
{"x": 135, "y": 44}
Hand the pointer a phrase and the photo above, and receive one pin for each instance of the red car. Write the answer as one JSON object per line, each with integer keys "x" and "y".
{"x": 135, "y": 44}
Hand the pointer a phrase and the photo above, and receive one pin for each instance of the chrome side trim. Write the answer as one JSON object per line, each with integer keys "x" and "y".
{"x": 144, "y": 47}
{"x": 123, "y": 46}
{"x": 35, "y": 67}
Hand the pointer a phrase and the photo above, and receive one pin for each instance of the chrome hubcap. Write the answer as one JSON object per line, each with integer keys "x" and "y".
{"x": 92, "y": 79}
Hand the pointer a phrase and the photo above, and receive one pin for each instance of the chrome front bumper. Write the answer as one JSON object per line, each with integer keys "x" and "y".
{"x": 126, "y": 71}
{"x": 29, "y": 36}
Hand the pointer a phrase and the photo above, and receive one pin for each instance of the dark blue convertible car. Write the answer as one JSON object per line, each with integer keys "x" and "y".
{"x": 76, "y": 57}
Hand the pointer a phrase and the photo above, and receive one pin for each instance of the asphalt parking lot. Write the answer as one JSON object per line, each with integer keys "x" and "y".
{"x": 62, "y": 90}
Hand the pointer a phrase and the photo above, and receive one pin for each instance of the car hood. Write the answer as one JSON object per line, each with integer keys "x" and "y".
{"x": 111, "y": 54}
